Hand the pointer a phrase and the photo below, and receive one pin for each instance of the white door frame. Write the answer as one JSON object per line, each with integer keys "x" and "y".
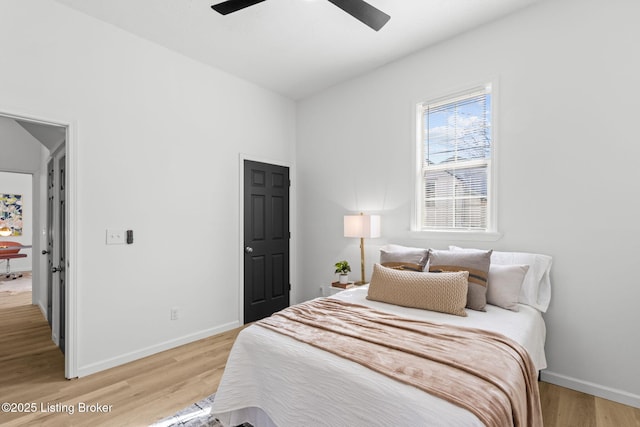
{"x": 71, "y": 351}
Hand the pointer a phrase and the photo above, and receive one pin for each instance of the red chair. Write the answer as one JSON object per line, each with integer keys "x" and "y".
{"x": 9, "y": 251}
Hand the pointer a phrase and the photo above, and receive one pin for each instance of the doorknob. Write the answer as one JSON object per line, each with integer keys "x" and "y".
{"x": 56, "y": 269}
{"x": 45, "y": 252}
{"x": 248, "y": 250}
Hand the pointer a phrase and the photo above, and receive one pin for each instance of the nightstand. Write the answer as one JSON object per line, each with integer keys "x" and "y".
{"x": 334, "y": 289}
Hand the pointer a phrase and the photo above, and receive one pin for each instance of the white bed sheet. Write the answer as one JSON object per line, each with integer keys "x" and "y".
{"x": 271, "y": 379}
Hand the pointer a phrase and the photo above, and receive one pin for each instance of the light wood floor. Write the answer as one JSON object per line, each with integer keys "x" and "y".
{"x": 144, "y": 391}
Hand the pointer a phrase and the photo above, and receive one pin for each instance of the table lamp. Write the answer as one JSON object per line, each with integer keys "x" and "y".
{"x": 362, "y": 226}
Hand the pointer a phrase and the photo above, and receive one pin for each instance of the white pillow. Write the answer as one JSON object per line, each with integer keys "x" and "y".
{"x": 505, "y": 282}
{"x": 536, "y": 287}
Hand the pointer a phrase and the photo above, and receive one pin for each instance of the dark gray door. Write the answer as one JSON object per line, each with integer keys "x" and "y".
{"x": 49, "y": 250}
{"x": 266, "y": 239}
{"x": 63, "y": 256}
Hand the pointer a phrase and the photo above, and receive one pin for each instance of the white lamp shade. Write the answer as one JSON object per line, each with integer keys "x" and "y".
{"x": 367, "y": 226}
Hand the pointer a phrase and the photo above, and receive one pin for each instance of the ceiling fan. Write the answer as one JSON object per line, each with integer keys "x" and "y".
{"x": 359, "y": 9}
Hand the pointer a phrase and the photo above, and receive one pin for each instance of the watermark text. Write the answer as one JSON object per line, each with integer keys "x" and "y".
{"x": 56, "y": 407}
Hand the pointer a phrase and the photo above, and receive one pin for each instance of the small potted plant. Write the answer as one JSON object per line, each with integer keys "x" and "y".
{"x": 343, "y": 269}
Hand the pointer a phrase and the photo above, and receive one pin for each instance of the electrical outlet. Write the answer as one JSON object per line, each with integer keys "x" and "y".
{"x": 115, "y": 237}
{"x": 174, "y": 313}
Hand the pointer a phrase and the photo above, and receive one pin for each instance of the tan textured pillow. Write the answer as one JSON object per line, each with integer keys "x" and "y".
{"x": 444, "y": 292}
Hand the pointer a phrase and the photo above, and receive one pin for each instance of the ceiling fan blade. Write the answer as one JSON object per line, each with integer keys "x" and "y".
{"x": 364, "y": 12}
{"x": 229, "y": 6}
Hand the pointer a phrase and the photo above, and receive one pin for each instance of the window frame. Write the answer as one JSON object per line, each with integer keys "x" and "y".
{"x": 491, "y": 232}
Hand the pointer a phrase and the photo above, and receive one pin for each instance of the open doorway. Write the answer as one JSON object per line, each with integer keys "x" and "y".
{"x": 39, "y": 148}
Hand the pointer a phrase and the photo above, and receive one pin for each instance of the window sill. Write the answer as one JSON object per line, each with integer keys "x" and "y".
{"x": 483, "y": 236}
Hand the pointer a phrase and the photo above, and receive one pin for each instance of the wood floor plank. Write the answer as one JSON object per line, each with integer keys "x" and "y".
{"x": 149, "y": 389}
{"x": 549, "y": 403}
{"x": 610, "y": 413}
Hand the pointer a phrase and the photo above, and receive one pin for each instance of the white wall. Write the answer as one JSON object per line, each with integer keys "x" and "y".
{"x": 158, "y": 141}
{"x": 567, "y": 100}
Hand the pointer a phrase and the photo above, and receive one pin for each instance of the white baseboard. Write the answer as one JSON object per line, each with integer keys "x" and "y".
{"x": 591, "y": 388}
{"x": 43, "y": 310}
{"x": 148, "y": 351}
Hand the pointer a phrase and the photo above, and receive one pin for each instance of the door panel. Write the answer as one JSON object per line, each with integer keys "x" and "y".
{"x": 277, "y": 214}
{"x": 62, "y": 255}
{"x": 266, "y": 232}
{"x": 278, "y": 268}
{"x": 258, "y": 272}
{"x": 49, "y": 251}
{"x": 258, "y": 218}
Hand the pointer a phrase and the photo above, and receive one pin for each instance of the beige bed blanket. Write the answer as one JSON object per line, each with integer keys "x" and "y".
{"x": 486, "y": 373}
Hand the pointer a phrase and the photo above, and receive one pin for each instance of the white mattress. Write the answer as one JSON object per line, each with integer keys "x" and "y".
{"x": 271, "y": 379}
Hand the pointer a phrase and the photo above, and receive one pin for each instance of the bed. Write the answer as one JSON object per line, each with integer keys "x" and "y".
{"x": 274, "y": 379}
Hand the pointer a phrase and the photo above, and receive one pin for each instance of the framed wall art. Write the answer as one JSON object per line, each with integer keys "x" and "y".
{"x": 11, "y": 213}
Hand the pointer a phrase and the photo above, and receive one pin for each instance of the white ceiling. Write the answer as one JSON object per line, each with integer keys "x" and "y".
{"x": 295, "y": 47}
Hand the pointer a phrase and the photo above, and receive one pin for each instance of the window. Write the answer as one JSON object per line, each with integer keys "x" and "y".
{"x": 455, "y": 151}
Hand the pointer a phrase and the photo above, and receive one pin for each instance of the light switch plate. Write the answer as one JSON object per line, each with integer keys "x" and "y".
{"x": 116, "y": 237}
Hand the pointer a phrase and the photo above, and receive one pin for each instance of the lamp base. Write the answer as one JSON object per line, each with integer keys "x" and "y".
{"x": 360, "y": 283}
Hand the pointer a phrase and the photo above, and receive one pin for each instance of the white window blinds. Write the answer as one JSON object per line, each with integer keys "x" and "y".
{"x": 456, "y": 162}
